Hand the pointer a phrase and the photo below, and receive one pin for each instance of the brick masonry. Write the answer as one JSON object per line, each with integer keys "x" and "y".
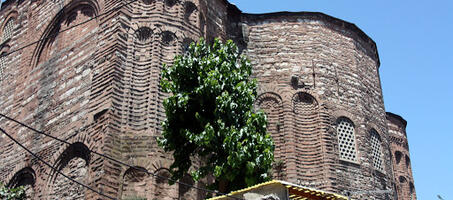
{"x": 96, "y": 85}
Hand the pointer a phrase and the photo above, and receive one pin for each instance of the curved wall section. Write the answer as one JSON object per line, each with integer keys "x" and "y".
{"x": 312, "y": 53}
{"x": 399, "y": 147}
{"x": 97, "y": 84}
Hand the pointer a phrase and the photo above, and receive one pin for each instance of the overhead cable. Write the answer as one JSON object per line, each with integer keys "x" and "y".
{"x": 120, "y": 162}
{"x": 53, "y": 168}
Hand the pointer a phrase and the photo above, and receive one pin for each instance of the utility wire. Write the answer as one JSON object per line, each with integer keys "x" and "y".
{"x": 120, "y": 162}
{"x": 53, "y": 168}
{"x": 63, "y": 141}
{"x": 69, "y": 28}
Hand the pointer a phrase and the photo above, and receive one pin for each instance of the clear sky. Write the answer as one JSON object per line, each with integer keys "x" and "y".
{"x": 415, "y": 41}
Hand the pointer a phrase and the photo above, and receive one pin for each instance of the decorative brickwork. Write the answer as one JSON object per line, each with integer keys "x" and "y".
{"x": 96, "y": 84}
{"x": 399, "y": 147}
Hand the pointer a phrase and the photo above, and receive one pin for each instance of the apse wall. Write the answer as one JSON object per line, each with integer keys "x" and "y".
{"x": 399, "y": 147}
{"x": 319, "y": 83}
{"x": 96, "y": 85}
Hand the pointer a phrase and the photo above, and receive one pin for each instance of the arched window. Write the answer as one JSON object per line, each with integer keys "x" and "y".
{"x": 398, "y": 156}
{"x": 376, "y": 150}
{"x": 346, "y": 139}
{"x": 2, "y": 65}
{"x": 8, "y": 29}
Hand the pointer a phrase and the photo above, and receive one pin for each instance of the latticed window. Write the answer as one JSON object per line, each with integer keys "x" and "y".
{"x": 8, "y": 30}
{"x": 376, "y": 150}
{"x": 2, "y": 65}
{"x": 346, "y": 139}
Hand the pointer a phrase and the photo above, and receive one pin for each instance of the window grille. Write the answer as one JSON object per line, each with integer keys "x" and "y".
{"x": 346, "y": 140}
{"x": 376, "y": 150}
{"x": 2, "y": 65}
{"x": 8, "y": 30}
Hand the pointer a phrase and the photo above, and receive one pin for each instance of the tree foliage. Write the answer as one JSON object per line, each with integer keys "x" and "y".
{"x": 12, "y": 194}
{"x": 210, "y": 116}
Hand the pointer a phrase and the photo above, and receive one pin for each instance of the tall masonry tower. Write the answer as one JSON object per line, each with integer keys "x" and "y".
{"x": 88, "y": 72}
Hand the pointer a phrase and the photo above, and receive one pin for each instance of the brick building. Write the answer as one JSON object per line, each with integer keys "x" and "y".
{"x": 96, "y": 86}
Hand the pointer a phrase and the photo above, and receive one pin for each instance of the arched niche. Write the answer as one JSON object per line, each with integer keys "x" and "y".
{"x": 67, "y": 30}
{"x": 143, "y": 34}
{"x": 25, "y": 177}
{"x": 398, "y": 156}
{"x": 168, "y": 38}
{"x": 171, "y": 3}
{"x": 304, "y": 103}
{"x": 271, "y": 104}
{"x": 190, "y": 12}
{"x": 408, "y": 161}
{"x": 135, "y": 183}
{"x": 73, "y": 162}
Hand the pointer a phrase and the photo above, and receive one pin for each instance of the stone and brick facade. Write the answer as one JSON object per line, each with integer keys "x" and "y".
{"x": 96, "y": 85}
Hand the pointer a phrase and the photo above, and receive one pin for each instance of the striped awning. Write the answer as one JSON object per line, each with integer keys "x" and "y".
{"x": 295, "y": 192}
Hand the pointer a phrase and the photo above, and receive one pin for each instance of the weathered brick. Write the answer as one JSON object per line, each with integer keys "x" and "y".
{"x": 97, "y": 86}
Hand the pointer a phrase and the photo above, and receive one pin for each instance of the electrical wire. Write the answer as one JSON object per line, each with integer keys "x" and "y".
{"x": 69, "y": 28}
{"x": 53, "y": 168}
{"x": 94, "y": 152}
{"x": 120, "y": 162}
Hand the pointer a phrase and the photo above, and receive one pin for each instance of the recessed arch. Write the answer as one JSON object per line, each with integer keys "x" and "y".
{"x": 73, "y": 162}
{"x": 171, "y": 3}
{"x": 303, "y": 102}
{"x": 168, "y": 37}
{"x": 144, "y": 34}
{"x": 25, "y": 177}
{"x": 402, "y": 179}
{"x": 135, "y": 183}
{"x": 189, "y": 10}
{"x": 75, "y": 150}
{"x": 398, "y": 156}
{"x": 408, "y": 161}
{"x": 271, "y": 104}
{"x": 76, "y": 15}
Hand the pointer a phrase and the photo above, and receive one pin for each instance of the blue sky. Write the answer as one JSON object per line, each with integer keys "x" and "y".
{"x": 415, "y": 40}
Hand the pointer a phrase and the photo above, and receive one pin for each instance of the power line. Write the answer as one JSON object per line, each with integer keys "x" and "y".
{"x": 53, "y": 168}
{"x": 69, "y": 28}
{"x": 120, "y": 162}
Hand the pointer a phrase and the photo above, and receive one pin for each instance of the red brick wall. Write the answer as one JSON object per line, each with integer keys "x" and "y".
{"x": 399, "y": 146}
{"x": 97, "y": 87}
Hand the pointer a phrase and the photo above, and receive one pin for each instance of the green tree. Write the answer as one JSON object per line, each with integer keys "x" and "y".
{"x": 210, "y": 116}
{"x": 11, "y": 194}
